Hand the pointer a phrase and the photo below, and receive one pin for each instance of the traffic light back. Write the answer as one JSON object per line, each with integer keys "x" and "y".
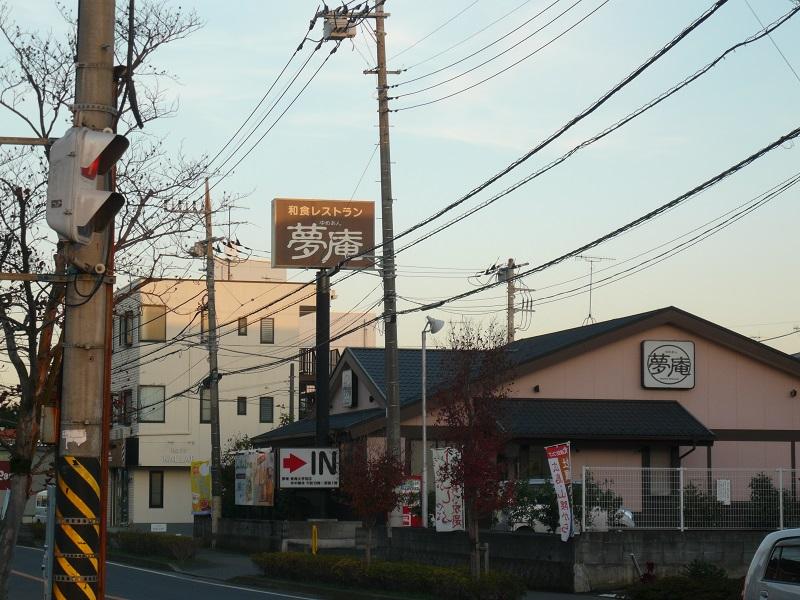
{"x": 75, "y": 207}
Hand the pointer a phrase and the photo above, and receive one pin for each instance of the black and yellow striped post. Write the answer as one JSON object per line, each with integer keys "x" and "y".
{"x": 77, "y": 532}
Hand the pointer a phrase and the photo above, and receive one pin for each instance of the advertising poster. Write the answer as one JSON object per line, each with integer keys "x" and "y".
{"x": 201, "y": 487}
{"x": 449, "y": 497}
{"x": 255, "y": 478}
{"x": 410, "y": 505}
{"x": 558, "y": 457}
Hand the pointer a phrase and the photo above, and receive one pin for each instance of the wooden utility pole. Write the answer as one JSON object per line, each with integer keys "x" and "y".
{"x": 81, "y": 466}
{"x": 387, "y": 226}
{"x": 213, "y": 378}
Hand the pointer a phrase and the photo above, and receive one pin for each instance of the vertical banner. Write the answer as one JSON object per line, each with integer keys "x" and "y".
{"x": 201, "y": 487}
{"x": 449, "y": 497}
{"x": 558, "y": 457}
{"x": 254, "y": 478}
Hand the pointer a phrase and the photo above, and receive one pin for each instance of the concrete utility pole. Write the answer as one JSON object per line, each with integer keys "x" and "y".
{"x": 322, "y": 366}
{"x": 82, "y": 463}
{"x": 291, "y": 391}
{"x": 387, "y": 225}
{"x": 216, "y": 483}
{"x": 510, "y": 309}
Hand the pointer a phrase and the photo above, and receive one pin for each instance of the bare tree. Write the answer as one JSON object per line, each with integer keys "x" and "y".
{"x": 37, "y": 82}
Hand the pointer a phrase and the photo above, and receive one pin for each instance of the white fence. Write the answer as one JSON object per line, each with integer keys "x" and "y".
{"x": 656, "y": 498}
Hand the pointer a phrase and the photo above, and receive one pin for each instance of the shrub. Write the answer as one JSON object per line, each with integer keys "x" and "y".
{"x": 165, "y": 545}
{"x": 685, "y": 588}
{"x": 440, "y": 582}
{"x": 701, "y": 569}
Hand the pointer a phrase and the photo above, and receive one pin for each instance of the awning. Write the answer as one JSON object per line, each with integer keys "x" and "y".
{"x": 655, "y": 420}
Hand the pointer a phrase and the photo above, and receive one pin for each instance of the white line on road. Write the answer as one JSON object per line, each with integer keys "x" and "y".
{"x": 212, "y": 583}
{"x": 198, "y": 580}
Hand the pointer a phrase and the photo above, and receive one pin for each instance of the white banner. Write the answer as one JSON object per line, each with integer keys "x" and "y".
{"x": 558, "y": 457}
{"x": 449, "y": 497}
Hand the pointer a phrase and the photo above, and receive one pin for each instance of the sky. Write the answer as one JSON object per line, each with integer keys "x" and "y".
{"x": 744, "y": 277}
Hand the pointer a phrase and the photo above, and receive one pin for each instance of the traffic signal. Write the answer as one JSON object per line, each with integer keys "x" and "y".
{"x": 75, "y": 207}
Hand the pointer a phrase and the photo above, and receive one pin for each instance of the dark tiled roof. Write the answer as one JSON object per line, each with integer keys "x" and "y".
{"x": 528, "y": 349}
{"x": 307, "y": 427}
{"x": 410, "y": 359}
{"x": 600, "y": 419}
{"x": 521, "y": 351}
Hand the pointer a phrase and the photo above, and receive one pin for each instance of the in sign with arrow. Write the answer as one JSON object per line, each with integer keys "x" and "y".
{"x": 309, "y": 468}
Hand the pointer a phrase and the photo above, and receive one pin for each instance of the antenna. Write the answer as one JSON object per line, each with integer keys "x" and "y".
{"x": 591, "y": 260}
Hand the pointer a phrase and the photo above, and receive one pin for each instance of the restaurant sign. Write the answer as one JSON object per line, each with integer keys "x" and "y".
{"x": 668, "y": 364}
{"x": 322, "y": 233}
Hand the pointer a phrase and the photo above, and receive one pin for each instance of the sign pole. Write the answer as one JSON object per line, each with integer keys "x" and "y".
{"x": 321, "y": 383}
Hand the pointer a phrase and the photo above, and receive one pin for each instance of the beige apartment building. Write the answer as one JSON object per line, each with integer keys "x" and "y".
{"x": 161, "y": 410}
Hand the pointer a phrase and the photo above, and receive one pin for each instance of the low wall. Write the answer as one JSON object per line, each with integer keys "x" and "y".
{"x": 603, "y": 559}
{"x": 589, "y": 562}
{"x": 541, "y": 559}
{"x": 245, "y": 535}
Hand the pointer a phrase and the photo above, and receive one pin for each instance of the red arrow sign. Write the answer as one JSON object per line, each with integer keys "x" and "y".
{"x": 293, "y": 463}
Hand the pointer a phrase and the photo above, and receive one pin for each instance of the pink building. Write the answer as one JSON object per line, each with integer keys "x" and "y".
{"x": 658, "y": 389}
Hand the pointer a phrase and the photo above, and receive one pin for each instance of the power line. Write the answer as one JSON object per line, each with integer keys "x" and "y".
{"x": 575, "y": 120}
{"x": 469, "y": 37}
{"x": 487, "y": 46}
{"x": 774, "y": 43}
{"x": 644, "y": 108}
{"x": 439, "y": 28}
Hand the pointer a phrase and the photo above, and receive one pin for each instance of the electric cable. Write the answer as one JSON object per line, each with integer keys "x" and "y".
{"x": 439, "y": 28}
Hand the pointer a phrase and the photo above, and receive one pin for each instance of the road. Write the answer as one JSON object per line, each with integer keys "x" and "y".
{"x": 133, "y": 583}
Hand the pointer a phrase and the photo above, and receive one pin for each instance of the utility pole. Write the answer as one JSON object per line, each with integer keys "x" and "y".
{"x": 82, "y": 462}
{"x": 506, "y": 274}
{"x": 322, "y": 367}
{"x": 213, "y": 379}
{"x": 387, "y": 225}
{"x": 291, "y": 391}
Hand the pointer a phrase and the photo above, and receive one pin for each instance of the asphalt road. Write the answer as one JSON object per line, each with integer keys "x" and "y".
{"x": 132, "y": 583}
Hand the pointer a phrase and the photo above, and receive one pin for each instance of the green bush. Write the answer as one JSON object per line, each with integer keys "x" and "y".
{"x": 440, "y": 582}
{"x": 685, "y": 588}
{"x": 165, "y": 545}
{"x": 701, "y": 569}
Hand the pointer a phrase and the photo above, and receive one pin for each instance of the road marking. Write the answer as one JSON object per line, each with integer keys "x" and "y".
{"x": 212, "y": 583}
{"x": 40, "y": 580}
{"x": 184, "y": 578}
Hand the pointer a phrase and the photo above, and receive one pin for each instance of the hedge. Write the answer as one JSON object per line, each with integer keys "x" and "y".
{"x": 687, "y": 588}
{"x": 440, "y": 582}
{"x": 143, "y": 544}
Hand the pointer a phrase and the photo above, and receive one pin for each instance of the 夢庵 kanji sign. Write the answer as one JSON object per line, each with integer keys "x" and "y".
{"x": 322, "y": 233}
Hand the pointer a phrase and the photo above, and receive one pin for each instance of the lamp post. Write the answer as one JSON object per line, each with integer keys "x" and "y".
{"x": 434, "y": 326}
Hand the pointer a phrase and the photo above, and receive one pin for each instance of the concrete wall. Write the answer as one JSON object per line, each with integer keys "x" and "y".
{"x": 177, "y": 511}
{"x": 603, "y": 560}
{"x": 589, "y": 562}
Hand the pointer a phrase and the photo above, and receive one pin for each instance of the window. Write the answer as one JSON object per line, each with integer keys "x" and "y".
{"x": 205, "y": 405}
{"x": 151, "y": 404}
{"x": 126, "y": 329}
{"x": 784, "y": 564}
{"x": 153, "y": 327}
{"x": 241, "y": 405}
{"x": 204, "y": 327}
{"x": 242, "y": 325}
{"x": 307, "y": 310}
{"x": 266, "y": 409}
{"x": 156, "y": 489}
{"x": 268, "y": 331}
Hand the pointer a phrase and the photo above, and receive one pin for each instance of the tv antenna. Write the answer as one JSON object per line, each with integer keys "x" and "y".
{"x": 591, "y": 260}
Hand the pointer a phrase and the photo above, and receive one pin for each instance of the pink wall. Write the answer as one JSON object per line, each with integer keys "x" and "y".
{"x": 731, "y": 391}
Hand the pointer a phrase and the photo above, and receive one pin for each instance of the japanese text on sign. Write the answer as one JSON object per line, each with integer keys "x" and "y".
{"x": 322, "y": 233}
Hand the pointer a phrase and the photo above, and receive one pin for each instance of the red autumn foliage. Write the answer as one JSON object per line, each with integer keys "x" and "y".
{"x": 370, "y": 483}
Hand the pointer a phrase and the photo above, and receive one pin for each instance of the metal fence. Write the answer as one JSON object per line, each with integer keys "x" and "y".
{"x": 660, "y": 498}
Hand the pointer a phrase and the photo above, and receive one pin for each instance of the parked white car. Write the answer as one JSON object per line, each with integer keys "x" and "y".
{"x": 774, "y": 572}
{"x": 40, "y": 510}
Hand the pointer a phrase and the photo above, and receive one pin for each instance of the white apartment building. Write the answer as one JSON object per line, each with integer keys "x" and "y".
{"x": 161, "y": 413}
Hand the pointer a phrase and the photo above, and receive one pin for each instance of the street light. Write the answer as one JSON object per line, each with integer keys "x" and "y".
{"x": 434, "y": 326}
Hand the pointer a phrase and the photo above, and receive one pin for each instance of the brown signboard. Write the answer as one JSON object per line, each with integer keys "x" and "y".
{"x": 322, "y": 233}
